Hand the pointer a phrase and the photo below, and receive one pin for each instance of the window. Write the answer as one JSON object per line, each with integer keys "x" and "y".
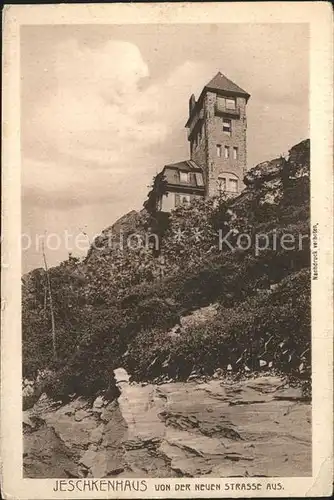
{"x": 226, "y": 152}
{"x": 235, "y": 153}
{"x": 199, "y": 179}
{"x": 233, "y": 185}
{"x": 226, "y": 103}
{"x": 184, "y": 177}
{"x": 181, "y": 199}
{"x": 221, "y": 102}
{"x": 227, "y": 127}
{"x": 185, "y": 198}
{"x": 230, "y": 103}
{"x": 219, "y": 150}
{"x": 221, "y": 184}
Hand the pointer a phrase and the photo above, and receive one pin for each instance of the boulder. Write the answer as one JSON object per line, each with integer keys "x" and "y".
{"x": 264, "y": 171}
{"x": 96, "y": 435}
{"x": 199, "y": 316}
{"x": 27, "y": 421}
{"x": 98, "y": 403}
{"x": 107, "y": 412}
{"x": 121, "y": 376}
{"x": 100, "y": 464}
{"x": 28, "y": 391}
{"x": 81, "y": 414}
{"x": 88, "y": 458}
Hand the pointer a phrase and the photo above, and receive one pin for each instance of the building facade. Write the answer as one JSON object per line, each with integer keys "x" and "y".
{"x": 184, "y": 183}
{"x": 217, "y": 126}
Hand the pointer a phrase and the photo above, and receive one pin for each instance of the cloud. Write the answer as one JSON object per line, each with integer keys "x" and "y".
{"x": 98, "y": 122}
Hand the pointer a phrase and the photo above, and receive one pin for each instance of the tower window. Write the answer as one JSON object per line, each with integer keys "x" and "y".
{"x": 184, "y": 177}
{"x": 230, "y": 103}
{"x": 233, "y": 185}
{"x": 219, "y": 150}
{"x": 226, "y": 103}
{"x": 226, "y": 152}
{"x": 221, "y": 185}
{"x": 235, "y": 153}
{"x": 227, "y": 127}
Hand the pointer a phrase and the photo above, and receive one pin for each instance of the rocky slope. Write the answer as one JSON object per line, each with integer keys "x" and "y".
{"x": 193, "y": 309}
{"x": 220, "y": 428}
{"x": 130, "y": 300}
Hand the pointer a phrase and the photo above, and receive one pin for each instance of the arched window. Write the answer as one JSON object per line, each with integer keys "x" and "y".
{"x": 233, "y": 183}
{"x": 227, "y": 183}
{"x": 221, "y": 184}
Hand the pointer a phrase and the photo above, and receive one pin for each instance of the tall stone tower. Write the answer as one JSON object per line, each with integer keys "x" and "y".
{"x": 217, "y": 135}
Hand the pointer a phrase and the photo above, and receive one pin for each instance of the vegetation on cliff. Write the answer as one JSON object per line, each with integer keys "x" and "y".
{"x": 118, "y": 305}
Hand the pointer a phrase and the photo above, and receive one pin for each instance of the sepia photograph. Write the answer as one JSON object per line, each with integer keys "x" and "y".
{"x": 168, "y": 258}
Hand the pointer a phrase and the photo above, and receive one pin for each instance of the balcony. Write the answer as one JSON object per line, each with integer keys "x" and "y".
{"x": 221, "y": 109}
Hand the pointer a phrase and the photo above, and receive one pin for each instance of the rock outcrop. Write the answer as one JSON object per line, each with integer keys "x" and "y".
{"x": 255, "y": 427}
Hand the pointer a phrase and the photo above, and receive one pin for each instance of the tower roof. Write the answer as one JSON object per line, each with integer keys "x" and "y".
{"x": 222, "y": 83}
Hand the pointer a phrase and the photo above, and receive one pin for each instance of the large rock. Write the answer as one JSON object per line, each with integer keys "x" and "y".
{"x": 45, "y": 455}
{"x": 81, "y": 414}
{"x": 98, "y": 403}
{"x": 96, "y": 435}
{"x": 88, "y": 458}
{"x": 201, "y": 315}
{"x": 72, "y": 423}
{"x": 265, "y": 171}
{"x": 255, "y": 427}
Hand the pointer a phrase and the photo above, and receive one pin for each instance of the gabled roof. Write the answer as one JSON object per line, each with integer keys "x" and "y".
{"x": 185, "y": 166}
{"x": 222, "y": 83}
{"x": 195, "y": 181}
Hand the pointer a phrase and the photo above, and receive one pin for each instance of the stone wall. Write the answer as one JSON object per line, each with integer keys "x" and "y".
{"x": 199, "y": 153}
{"x": 215, "y": 136}
{"x": 205, "y": 152}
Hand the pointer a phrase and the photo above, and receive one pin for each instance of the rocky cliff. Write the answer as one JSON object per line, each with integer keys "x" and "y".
{"x": 215, "y": 427}
{"x": 217, "y": 342}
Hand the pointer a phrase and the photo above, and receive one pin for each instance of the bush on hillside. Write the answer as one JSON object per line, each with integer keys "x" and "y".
{"x": 273, "y": 327}
{"x": 126, "y": 301}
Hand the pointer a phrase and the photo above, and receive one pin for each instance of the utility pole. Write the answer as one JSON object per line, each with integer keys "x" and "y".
{"x": 53, "y": 325}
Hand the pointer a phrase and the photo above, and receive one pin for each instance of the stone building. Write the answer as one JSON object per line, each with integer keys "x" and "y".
{"x": 218, "y": 151}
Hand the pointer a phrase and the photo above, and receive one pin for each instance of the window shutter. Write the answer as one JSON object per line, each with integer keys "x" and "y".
{"x": 177, "y": 200}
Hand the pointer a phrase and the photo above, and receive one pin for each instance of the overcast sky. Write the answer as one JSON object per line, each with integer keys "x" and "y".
{"x": 104, "y": 108}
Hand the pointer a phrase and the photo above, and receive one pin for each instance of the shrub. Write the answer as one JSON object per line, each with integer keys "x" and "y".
{"x": 117, "y": 301}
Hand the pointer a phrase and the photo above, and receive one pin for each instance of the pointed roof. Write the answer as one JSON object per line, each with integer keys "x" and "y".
{"x": 222, "y": 83}
{"x": 219, "y": 83}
